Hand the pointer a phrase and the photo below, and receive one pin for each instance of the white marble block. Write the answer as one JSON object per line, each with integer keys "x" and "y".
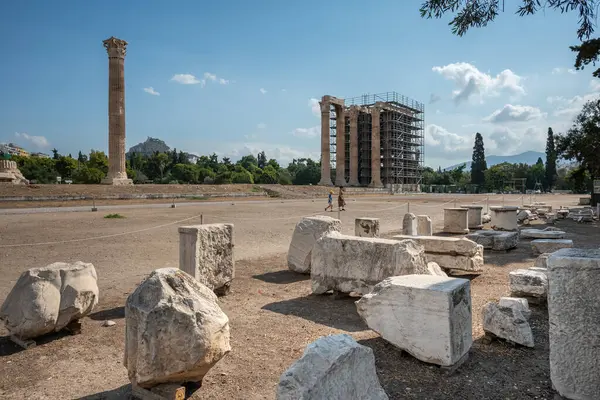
{"x": 504, "y": 218}
{"x": 507, "y": 323}
{"x": 574, "y": 319}
{"x": 495, "y": 240}
{"x": 541, "y": 246}
{"x": 424, "y": 225}
{"x": 456, "y": 220}
{"x": 474, "y": 215}
{"x": 206, "y": 253}
{"x": 409, "y": 224}
{"x": 308, "y": 230}
{"x": 353, "y": 264}
{"x": 528, "y": 283}
{"x": 519, "y": 303}
{"x": 542, "y": 234}
{"x": 427, "y": 316}
{"x": 366, "y": 227}
{"x": 332, "y": 367}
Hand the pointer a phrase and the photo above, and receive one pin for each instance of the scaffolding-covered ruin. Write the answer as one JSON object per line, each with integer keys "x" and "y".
{"x": 401, "y": 139}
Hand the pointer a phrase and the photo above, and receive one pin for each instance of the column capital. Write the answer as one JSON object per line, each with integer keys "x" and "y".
{"x": 353, "y": 111}
{"x": 116, "y": 48}
{"x": 325, "y": 107}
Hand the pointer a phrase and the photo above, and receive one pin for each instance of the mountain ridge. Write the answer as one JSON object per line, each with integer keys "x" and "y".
{"x": 527, "y": 157}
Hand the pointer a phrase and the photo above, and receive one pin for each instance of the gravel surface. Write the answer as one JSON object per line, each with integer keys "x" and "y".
{"x": 272, "y": 314}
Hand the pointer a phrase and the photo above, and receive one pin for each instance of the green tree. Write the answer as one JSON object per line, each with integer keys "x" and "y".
{"x": 479, "y": 13}
{"x": 268, "y": 175}
{"x": 478, "y": 163}
{"x": 185, "y": 173}
{"x": 81, "y": 158}
{"x": 156, "y": 167}
{"x": 581, "y": 142}
{"x": 550, "y": 161}
{"x": 457, "y": 174}
{"x": 87, "y": 175}
{"x": 55, "y": 154}
{"x": 248, "y": 162}
{"x": 65, "y": 166}
{"x": 285, "y": 178}
{"x": 261, "y": 160}
{"x": 98, "y": 160}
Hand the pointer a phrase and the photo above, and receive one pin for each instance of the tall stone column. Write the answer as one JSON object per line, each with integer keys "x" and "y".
{"x": 325, "y": 156}
{"x": 375, "y": 148}
{"x": 117, "y": 174}
{"x": 354, "y": 146}
{"x": 340, "y": 146}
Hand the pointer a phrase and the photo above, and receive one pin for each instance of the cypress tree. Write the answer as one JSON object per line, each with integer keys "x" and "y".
{"x": 478, "y": 164}
{"x": 550, "y": 161}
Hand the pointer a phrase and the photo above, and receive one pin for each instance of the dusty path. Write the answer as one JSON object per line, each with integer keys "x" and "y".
{"x": 271, "y": 311}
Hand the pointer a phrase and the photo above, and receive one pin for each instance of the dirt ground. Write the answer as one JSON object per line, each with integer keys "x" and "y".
{"x": 272, "y": 314}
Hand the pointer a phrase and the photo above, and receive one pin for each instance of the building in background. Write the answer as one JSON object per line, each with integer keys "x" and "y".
{"x": 372, "y": 140}
{"x": 13, "y": 150}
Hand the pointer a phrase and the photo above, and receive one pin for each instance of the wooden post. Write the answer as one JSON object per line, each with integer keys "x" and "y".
{"x": 201, "y": 219}
{"x": 94, "y": 204}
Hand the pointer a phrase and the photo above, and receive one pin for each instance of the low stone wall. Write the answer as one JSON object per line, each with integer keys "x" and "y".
{"x": 140, "y": 196}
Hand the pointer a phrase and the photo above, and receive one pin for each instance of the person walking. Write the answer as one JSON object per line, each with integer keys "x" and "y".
{"x": 330, "y": 201}
{"x": 341, "y": 201}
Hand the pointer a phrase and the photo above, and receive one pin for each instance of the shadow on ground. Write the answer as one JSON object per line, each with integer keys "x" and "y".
{"x": 121, "y": 393}
{"x": 111, "y": 313}
{"x": 8, "y": 347}
{"x": 282, "y": 277}
{"x": 492, "y": 371}
{"x": 322, "y": 309}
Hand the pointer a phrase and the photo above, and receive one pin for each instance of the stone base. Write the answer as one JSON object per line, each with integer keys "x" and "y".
{"x": 376, "y": 184}
{"x": 325, "y": 182}
{"x": 117, "y": 181}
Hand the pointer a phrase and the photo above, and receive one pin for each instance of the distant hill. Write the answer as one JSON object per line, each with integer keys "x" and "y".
{"x": 529, "y": 157}
{"x": 149, "y": 147}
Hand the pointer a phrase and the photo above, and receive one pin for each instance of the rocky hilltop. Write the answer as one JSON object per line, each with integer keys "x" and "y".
{"x": 149, "y": 147}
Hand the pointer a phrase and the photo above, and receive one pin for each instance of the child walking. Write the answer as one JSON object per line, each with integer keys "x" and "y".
{"x": 330, "y": 201}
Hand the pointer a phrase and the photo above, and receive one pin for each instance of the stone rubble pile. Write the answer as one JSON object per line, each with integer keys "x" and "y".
{"x": 308, "y": 230}
{"x": 49, "y": 298}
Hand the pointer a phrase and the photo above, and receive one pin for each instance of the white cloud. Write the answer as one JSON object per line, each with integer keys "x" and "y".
{"x": 315, "y": 107}
{"x": 557, "y": 71}
{"x": 595, "y": 85}
{"x": 261, "y": 125}
{"x": 185, "y": 79}
{"x": 263, "y": 91}
{"x": 223, "y": 81}
{"x": 555, "y": 99}
{"x": 150, "y": 90}
{"x": 434, "y": 98}
{"x": 569, "y": 108}
{"x": 37, "y": 141}
{"x": 510, "y": 113}
{"x": 439, "y": 140}
{"x": 472, "y": 82}
{"x": 307, "y": 132}
{"x": 210, "y": 77}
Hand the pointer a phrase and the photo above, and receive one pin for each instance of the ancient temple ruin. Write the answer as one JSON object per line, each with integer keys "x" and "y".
{"x": 378, "y": 139}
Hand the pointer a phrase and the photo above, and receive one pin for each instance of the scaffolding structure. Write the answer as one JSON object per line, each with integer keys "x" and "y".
{"x": 401, "y": 137}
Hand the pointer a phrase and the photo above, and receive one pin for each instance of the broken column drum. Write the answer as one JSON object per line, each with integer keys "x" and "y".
{"x": 409, "y": 224}
{"x": 456, "y": 220}
{"x": 424, "y": 226}
{"x": 573, "y": 310}
{"x": 504, "y": 218}
{"x": 474, "y": 215}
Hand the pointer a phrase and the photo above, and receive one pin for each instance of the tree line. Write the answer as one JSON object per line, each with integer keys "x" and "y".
{"x": 170, "y": 167}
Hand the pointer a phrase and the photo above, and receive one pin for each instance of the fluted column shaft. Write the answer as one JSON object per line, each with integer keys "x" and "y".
{"x": 353, "y": 147}
{"x": 340, "y": 147}
{"x": 325, "y": 155}
{"x": 375, "y": 148}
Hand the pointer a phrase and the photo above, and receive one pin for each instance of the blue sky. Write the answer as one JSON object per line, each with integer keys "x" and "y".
{"x": 263, "y": 61}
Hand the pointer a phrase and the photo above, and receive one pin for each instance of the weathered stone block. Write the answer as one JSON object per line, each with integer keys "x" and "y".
{"x": 495, "y": 240}
{"x": 474, "y": 215}
{"x": 573, "y": 309}
{"x": 528, "y": 283}
{"x": 542, "y": 261}
{"x": 540, "y": 246}
{"x": 308, "y": 230}
{"x": 456, "y": 220}
{"x": 504, "y": 218}
{"x": 507, "y": 323}
{"x": 427, "y": 316}
{"x": 366, "y": 227}
{"x": 206, "y": 253}
{"x": 542, "y": 234}
{"x": 175, "y": 331}
{"x": 519, "y": 303}
{"x": 409, "y": 224}
{"x": 352, "y": 264}
{"x": 424, "y": 225}
{"x": 332, "y": 367}
{"x": 47, "y": 299}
